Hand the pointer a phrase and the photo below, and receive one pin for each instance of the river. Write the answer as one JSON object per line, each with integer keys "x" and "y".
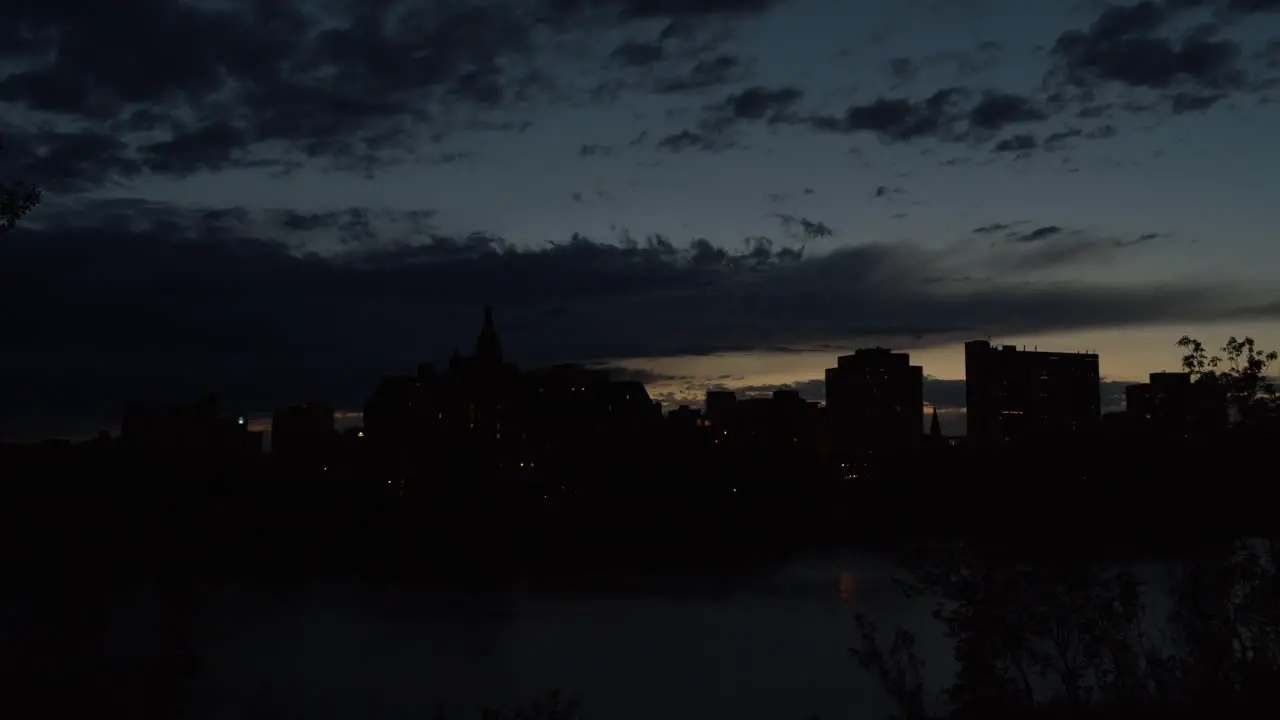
{"x": 772, "y": 643}
{"x": 767, "y": 644}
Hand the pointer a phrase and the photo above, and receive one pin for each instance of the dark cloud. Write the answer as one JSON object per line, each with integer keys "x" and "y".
{"x": 690, "y": 140}
{"x": 898, "y": 119}
{"x": 958, "y": 65}
{"x": 804, "y": 227}
{"x": 997, "y": 111}
{"x": 691, "y": 8}
{"x": 352, "y": 86}
{"x": 1155, "y": 58}
{"x": 1053, "y": 246}
{"x": 760, "y": 103}
{"x": 1124, "y": 46}
{"x": 1134, "y": 47}
{"x": 1184, "y": 102}
{"x": 943, "y": 115}
{"x": 1141, "y": 239}
{"x": 992, "y": 228}
{"x": 638, "y": 54}
{"x": 140, "y": 300}
{"x": 1016, "y": 143}
{"x": 1250, "y": 7}
{"x": 67, "y": 161}
{"x": 705, "y": 73}
{"x": 1040, "y": 233}
{"x": 1060, "y": 140}
{"x": 720, "y": 122}
{"x": 630, "y": 374}
{"x": 345, "y": 84}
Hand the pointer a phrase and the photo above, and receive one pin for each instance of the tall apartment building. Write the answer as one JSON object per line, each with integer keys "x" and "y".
{"x": 1017, "y": 396}
{"x": 875, "y": 398}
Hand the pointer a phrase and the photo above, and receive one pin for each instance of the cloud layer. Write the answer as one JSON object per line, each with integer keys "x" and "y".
{"x": 279, "y": 83}
{"x": 164, "y": 300}
{"x": 355, "y": 86}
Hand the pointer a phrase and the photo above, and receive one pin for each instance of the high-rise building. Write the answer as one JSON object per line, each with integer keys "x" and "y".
{"x": 876, "y": 401}
{"x": 721, "y": 408}
{"x": 1017, "y": 396}
{"x": 1174, "y": 408}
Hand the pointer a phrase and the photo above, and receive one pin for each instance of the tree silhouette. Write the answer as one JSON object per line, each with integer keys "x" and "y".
{"x": 16, "y": 200}
{"x": 1045, "y": 638}
{"x": 1240, "y": 371}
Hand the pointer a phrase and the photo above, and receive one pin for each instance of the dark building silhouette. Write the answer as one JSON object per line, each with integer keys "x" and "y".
{"x": 781, "y": 423}
{"x": 571, "y": 406}
{"x": 1016, "y": 396}
{"x": 754, "y": 423}
{"x": 876, "y": 401}
{"x": 482, "y": 405}
{"x": 721, "y": 408}
{"x": 472, "y": 408}
{"x": 194, "y": 428}
{"x": 1172, "y": 407}
{"x": 303, "y": 432}
{"x": 685, "y": 418}
{"x": 482, "y": 416}
{"x": 628, "y": 405}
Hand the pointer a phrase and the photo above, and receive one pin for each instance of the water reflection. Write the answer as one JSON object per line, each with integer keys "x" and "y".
{"x": 768, "y": 644}
{"x": 848, "y": 587}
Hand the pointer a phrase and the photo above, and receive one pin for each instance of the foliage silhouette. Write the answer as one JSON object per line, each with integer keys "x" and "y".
{"x": 1241, "y": 372}
{"x": 1075, "y": 638}
{"x": 17, "y": 199}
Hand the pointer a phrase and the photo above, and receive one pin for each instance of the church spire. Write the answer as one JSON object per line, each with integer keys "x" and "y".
{"x": 488, "y": 348}
{"x": 935, "y": 427}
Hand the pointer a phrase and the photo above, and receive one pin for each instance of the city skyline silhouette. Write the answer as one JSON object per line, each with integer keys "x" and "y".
{"x": 661, "y": 188}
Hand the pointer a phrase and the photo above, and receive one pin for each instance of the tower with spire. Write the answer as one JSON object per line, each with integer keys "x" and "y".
{"x": 488, "y": 347}
{"x": 935, "y": 428}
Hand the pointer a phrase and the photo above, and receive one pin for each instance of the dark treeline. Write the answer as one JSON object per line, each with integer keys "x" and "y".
{"x": 1081, "y": 638}
{"x": 112, "y": 508}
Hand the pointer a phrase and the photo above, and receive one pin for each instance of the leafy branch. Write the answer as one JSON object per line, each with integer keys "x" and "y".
{"x": 17, "y": 199}
{"x": 1240, "y": 371}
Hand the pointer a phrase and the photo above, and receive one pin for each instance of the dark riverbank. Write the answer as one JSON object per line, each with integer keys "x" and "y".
{"x": 118, "y": 515}
{"x": 231, "y": 537}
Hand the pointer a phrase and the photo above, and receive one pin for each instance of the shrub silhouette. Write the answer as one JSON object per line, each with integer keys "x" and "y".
{"x": 1076, "y": 638}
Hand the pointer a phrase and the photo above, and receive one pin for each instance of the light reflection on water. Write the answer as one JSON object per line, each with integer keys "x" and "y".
{"x": 848, "y": 586}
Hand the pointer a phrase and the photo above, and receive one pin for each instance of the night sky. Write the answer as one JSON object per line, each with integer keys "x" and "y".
{"x": 285, "y": 199}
